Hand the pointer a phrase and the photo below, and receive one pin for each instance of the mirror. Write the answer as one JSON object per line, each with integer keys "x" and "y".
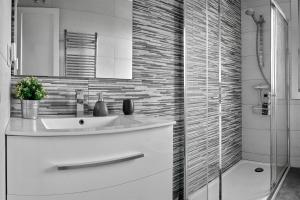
{"x": 74, "y": 38}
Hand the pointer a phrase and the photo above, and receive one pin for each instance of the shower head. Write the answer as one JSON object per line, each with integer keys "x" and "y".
{"x": 250, "y": 12}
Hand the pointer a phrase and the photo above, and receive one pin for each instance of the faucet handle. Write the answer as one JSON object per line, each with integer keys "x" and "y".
{"x": 79, "y": 92}
{"x": 80, "y": 97}
{"x": 86, "y": 99}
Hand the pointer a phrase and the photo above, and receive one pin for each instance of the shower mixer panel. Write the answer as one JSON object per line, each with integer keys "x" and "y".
{"x": 264, "y": 101}
{"x": 265, "y": 104}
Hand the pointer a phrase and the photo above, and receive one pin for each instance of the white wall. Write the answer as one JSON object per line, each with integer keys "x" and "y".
{"x": 295, "y": 133}
{"x": 256, "y": 128}
{"x": 5, "y": 38}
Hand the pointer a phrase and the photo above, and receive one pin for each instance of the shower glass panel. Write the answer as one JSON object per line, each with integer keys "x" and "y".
{"x": 208, "y": 82}
{"x": 214, "y": 95}
{"x": 196, "y": 100}
{"x": 202, "y": 99}
{"x": 247, "y": 176}
{"x": 279, "y": 94}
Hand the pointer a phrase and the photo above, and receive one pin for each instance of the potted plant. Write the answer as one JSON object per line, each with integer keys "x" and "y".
{"x": 30, "y": 91}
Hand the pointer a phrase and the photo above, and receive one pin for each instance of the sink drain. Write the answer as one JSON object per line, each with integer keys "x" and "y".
{"x": 259, "y": 169}
{"x": 81, "y": 121}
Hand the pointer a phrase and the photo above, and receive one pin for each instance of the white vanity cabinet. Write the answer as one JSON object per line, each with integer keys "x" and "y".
{"x": 130, "y": 165}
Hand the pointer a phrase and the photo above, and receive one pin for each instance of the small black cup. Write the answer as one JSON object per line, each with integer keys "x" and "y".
{"x": 128, "y": 107}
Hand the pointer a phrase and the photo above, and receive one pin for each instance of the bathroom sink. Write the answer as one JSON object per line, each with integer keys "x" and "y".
{"x": 80, "y": 123}
{"x": 86, "y": 125}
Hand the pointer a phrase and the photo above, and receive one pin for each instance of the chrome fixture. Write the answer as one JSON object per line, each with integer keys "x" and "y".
{"x": 80, "y": 54}
{"x": 259, "y": 42}
{"x": 251, "y": 13}
{"x": 79, "y": 103}
{"x": 264, "y": 100}
{"x": 263, "y": 89}
{"x": 82, "y": 165}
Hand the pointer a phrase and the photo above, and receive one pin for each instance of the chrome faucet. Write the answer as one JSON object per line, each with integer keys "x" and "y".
{"x": 79, "y": 103}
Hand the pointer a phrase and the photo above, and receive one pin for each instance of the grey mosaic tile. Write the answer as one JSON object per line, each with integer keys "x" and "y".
{"x": 202, "y": 90}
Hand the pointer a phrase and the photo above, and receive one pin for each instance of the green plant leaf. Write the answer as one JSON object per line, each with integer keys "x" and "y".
{"x": 30, "y": 88}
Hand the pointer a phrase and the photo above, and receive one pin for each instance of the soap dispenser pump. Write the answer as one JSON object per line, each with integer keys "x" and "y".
{"x": 100, "y": 108}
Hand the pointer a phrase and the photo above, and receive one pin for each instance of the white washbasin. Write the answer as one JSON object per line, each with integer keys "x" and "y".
{"x": 80, "y": 123}
{"x": 60, "y": 126}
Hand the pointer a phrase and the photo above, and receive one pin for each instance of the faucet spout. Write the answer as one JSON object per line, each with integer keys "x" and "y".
{"x": 79, "y": 103}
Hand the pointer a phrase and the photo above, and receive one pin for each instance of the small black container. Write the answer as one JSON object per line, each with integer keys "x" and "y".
{"x": 128, "y": 107}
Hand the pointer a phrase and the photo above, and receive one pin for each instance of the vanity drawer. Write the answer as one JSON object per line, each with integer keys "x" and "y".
{"x": 156, "y": 187}
{"x": 70, "y": 164}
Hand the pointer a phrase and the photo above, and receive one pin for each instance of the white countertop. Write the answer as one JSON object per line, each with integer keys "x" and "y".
{"x": 35, "y": 128}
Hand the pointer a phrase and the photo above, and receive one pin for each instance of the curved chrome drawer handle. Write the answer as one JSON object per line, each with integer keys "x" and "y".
{"x": 107, "y": 161}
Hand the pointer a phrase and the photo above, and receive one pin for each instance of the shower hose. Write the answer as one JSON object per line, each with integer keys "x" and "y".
{"x": 259, "y": 52}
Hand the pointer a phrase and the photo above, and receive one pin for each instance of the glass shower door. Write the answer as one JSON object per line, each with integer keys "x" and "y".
{"x": 202, "y": 99}
{"x": 279, "y": 94}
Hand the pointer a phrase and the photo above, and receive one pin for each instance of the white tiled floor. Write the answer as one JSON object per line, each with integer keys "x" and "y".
{"x": 241, "y": 182}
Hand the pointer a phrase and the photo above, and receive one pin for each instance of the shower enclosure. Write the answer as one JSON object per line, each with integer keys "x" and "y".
{"x": 217, "y": 130}
{"x": 279, "y": 94}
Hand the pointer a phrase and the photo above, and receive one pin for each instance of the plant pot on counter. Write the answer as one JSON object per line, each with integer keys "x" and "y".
{"x": 30, "y": 109}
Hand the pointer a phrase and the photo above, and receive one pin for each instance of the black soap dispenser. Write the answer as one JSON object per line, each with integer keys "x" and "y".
{"x": 100, "y": 108}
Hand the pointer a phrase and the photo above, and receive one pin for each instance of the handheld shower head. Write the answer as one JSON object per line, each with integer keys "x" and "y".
{"x": 259, "y": 40}
{"x": 250, "y": 12}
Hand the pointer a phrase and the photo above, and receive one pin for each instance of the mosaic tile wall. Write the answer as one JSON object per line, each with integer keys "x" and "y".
{"x": 196, "y": 93}
{"x": 231, "y": 83}
{"x": 202, "y": 82}
{"x": 157, "y": 84}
